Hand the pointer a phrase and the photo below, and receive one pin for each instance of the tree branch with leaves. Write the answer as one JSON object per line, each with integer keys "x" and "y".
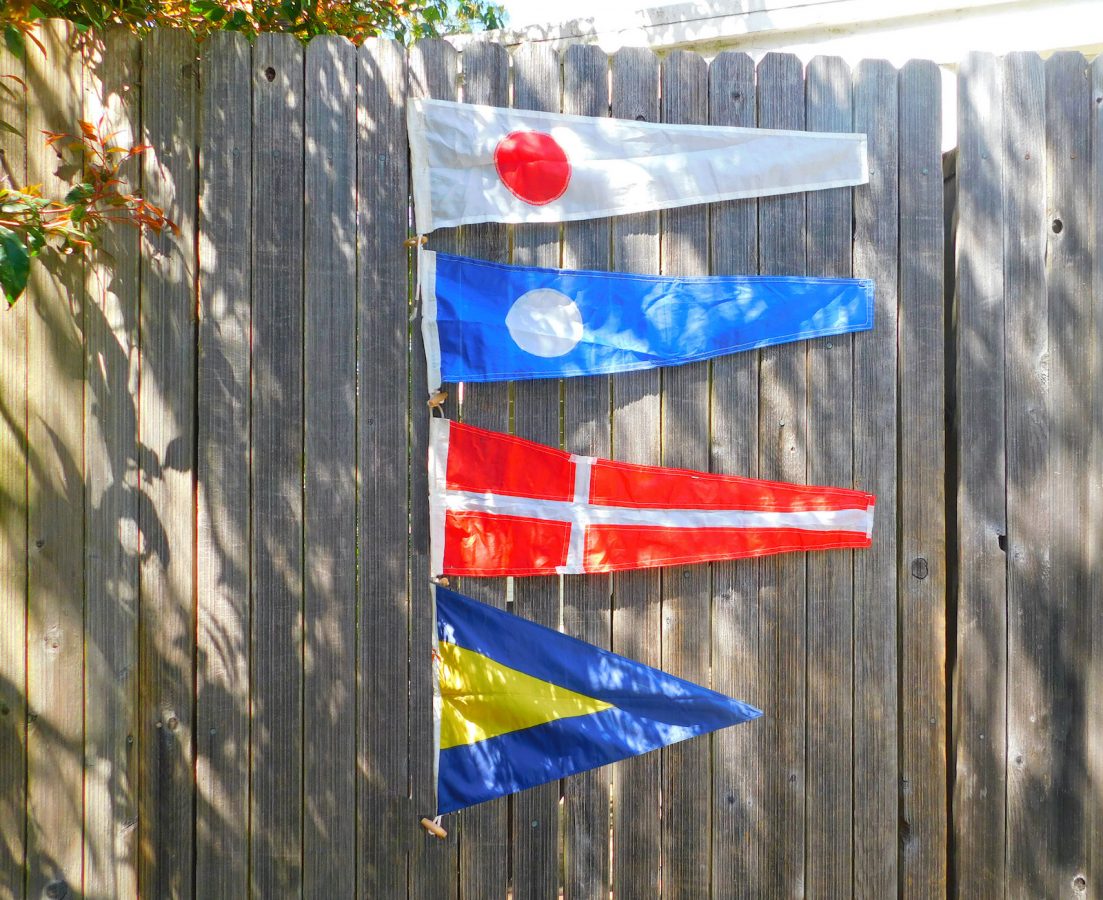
{"x": 31, "y": 223}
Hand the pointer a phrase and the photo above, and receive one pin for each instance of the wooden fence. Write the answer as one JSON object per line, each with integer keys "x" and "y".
{"x": 214, "y": 625}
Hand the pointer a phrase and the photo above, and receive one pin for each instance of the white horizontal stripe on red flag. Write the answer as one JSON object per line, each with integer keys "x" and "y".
{"x": 856, "y": 520}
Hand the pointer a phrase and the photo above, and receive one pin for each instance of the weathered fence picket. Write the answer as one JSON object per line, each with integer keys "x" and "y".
{"x": 876, "y": 455}
{"x": 738, "y": 763}
{"x": 391, "y": 726}
{"x": 686, "y": 595}
{"x": 1093, "y": 880}
{"x": 921, "y": 565}
{"x": 829, "y": 611}
{"x": 13, "y": 528}
{"x": 223, "y": 563}
{"x": 111, "y": 499}
{"x": 55, "y": 489}
{"x": 276, "y": 489}
{"x": 329, "y": 484}
{"x": 587, "y": 598}
{"x": 980, "y": 673}
{"x": 434, "y": 866}
{"x": 636, "y": 625}
{"x": 214, "y": 615}
{"x": 1028, "y": 427}
{"x": 535, "y": 819}
{"x": 782, "y": 456}
{"x": 167, "y": 451}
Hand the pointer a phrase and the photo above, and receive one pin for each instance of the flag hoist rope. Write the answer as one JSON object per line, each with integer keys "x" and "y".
{"x": 432, "y": 826}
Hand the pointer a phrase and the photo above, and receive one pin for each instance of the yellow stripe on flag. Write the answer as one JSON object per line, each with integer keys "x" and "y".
{"x": 483, "y": 699}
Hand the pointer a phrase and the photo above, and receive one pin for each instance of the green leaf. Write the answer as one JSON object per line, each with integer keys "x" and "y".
{"x": 11, "y": 129}
{"x": 15, "y": 265}
{"x": 36, "y": 239}
{"x": 14, "y": 41}
{"x": 209, "y": 10}
{"x": 79, "y": 192}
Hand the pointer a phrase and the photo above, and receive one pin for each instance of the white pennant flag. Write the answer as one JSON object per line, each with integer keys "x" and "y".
{"x": 487, "y": 164}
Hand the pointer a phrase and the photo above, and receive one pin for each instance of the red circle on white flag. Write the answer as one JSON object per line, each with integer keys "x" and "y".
{"x": 533, "y": 166}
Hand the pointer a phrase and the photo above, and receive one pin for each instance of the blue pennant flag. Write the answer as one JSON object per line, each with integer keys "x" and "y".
{"x": 521, "y": 704}
{"x": 489, "y": 322}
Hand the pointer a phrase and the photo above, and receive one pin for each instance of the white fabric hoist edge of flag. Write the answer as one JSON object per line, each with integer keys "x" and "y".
{"x": 426, "y": 221}
{"x": 438, "y": 469}
{"x": 438, "y": 701}
{"x": 419, "y": 167}
{"x": 430, "y": 333}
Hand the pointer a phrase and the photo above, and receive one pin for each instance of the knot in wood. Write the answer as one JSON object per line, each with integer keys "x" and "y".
{"x": 919, "y": 568}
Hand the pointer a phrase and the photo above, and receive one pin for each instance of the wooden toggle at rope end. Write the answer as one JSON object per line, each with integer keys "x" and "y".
{"x": 433, "y": 828}
{"x": 437, "y": 400}
{"x": 419, "y": 241}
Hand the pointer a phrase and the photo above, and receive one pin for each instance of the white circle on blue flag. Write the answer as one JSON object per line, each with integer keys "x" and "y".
{"x": 545, "y": 322}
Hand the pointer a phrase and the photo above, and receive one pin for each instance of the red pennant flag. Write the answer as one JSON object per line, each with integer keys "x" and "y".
{"x": 501, "y": 505}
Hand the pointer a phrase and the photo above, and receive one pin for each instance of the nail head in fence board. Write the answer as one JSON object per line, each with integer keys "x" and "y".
{"x": 222, "y": 652}
{"x": 876, "y": 248}
{"x": 433, "y": 72}
{"x": 167, "y": 436}
{"x": 686, "y": 590}
{"x": 637, "y": 625}
{"x": 782, "y": 456}
{"x": 922, "y": 714}
{"x": 586, "y": 598}
{"x": 484, "y": 854}
{"x": 1029, "y": 519}
{"x": 1094, "y": 877}
{"x": 980, "y": 669}
{"x": 277, "y": 418}
{"x": 738, "y": 759}
{"x": 830, "y": 575}
{"x": 1062, "y": 667}
{"x": 535, "y": 832}
{"x": 386, "y": 817}
{"x": 13, "y": 523}
{"x": 55, "y": 419}
{"x": 329, "y": 426}
{"x": 112, "y": 101}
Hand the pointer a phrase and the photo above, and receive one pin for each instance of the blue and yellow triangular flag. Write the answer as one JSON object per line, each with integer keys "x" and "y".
{"x": 521, "y": 704}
